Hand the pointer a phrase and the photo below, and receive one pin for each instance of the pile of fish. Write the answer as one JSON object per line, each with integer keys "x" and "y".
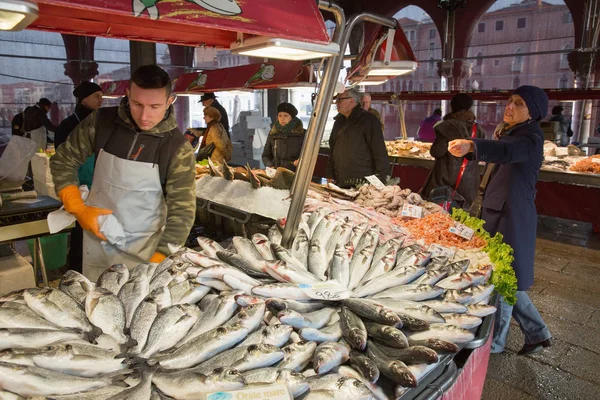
{"x": 225, "y": 319}
{"x": 281, "y": 179}
{"x": 408, "y": 148}
{"x": 391, "y": 199}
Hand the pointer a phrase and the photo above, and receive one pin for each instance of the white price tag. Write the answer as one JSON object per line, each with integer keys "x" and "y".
{"x": 414, "y": 150}
{"x": 270, "y": 172}
{"x": 550, "y": 158}
{"x": 562, "y": 152}
{"x": 411, "y": 139}
{"x": 596, "y": 160}
{"x": 399, "y": 229}
{"x": 373, "y": 180}
{"x": 462, "y": 231}
{"x": 409, "y": 210}
{"x": 329, "y": 290}
{"x": 437, "y": 250}
{"x": 263, "y": 392}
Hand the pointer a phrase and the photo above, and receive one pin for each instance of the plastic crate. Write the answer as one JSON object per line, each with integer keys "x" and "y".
{"x": 54, "y": 249}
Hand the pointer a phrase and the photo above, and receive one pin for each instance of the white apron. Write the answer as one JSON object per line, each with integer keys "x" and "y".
{"x": 39, "y": 137}
{"x": 133, "y": 191}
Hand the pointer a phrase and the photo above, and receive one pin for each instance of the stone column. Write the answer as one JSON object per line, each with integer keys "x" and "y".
{"x": 182, "y": 60}
{"x": 584, "y": 65}
{"x": 141, "y": 53}
{"x": 80, "y": 65}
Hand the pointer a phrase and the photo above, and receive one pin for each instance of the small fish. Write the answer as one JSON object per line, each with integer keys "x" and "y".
{"x": 132, "y": 293}
{"x": 243, "y": 358}
{"x": 277, "y": 305}
{"x": 444, "y": 306}
{"x": 478, "y": 293}
{"x": 431, "y": 277}
{"x": 339, "y": 270}
{"x": 295, "y": 381}
{"x": 329, "y": 355}
{"x": 357, "y": 233}
{"x": 449, "y": 333}
{"x": 396, "y": 277}
{"x": 353, "y": 329}
{"x": 461, "y": 281}
{"x": 300, "y": 247}
{"x": 441, "y": 346}
{"x": 458, "y": 296}
{"x": 274, "y": 235}
{"x": 410, "y": 355}
{"x": 58, "y": 308}
{"x": 35, "y": 338}
{"x": 209, "y": 246}
{"x": 317, "y": 259}
{"x": 412, "y": 292}
{"x": 105, "y": 310}
{"x": 19, "y": 316}
{"x": 480, "y": 310}
{"x": 372, "y": 310}
{"x": 217, "y": 312}
{"x": 336, "y": 387}
{"x": 464, "y": 321}
{"x": 457, "y": 267}
{"x": 316, "y": 217}
{"x": 390, "y": 335}
{"x": 297, "y": 355}
{"x": 413, "y": 324}
{"x": 423, "y": 313}
{"x": 114, "y": 278}
{"x": 75, "y": 285}
{"x": 316, "y": 319}
{"x": 275, "y": 335}
{"x": 285, "y": 272}
{"x": 330, "y": 333}
{"x": 395, "y": 370}
{"x": 376, "y": 390}
{"x": 263, "y": 246}
{"x": 364, "y": 365}
{"x": 187, "y": 384}
{"x": 249, "y": 317}
{"x": 251, "y": 267}
{"x": 281, "y": 290}
{"x": 283, "y": 254}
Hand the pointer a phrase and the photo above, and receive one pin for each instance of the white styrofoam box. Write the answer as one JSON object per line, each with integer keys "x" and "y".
{"x": 15, "y": 273}
{"x": 40, "y": 167}
{"x": 257, "y": 122}
{"x": 44, "y": 188}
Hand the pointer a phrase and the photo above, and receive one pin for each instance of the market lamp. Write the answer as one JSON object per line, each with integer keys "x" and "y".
{"x": 16, "y": 15}
{"x": 389, "y": 64}
{"x": 284, "y": 49}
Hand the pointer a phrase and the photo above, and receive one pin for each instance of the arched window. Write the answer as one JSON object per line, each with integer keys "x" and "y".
{"x": 516, "y": 82}
{"x": 517, "y": 65}
{"x": 479, "y": 61}
{"x": 563, "y": 83}
{"x": 404, "y": 86}
{"x": 410, "y": 86}
{"x": 435, "y": 86}
{"x": 564, "y": 60}
{"x": 431, "y": 67}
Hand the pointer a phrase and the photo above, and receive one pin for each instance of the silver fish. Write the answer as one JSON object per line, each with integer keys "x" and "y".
{"x": 263, "y": 246}
{"x": 76, "y": 285}
{"x": 478, "y": 293}
{"x": 295, "y": 381}
{"x": 423, "y": 313}
{"x": 243, "y": 358}
{"x": 300, "y": 247}
{"x": 339, "y": 269}
{"x": 142, "y": 321}
{"x": 315, "y": 218}
{"x": 316, "y": 319}
{"x": 201, "y": 348}
{"x": 480, "y": 310}
{"x": 244, "y": 300}
{"x": 444, "y": 306}
{"x": 249, "y": 317}
{"x": 78, "y": 359}
{"x": 162, "y": 297}
{"x": 169, "y": 327}
{"x": 317, "y": 259}
{"x": 274, "y": 235}
{"x": 441, "y": 346}
{"x": 456, "y": 267}
{"x": 394, "y": 278}
{"x": 383, "y": 249}
{"x": 387, "y": 334}
{"x": 195, "y": 293}
{"x": 336, "y": 387}
{"x": 191, "y": 385}
{"x": 275, "y": 335}
{"x": 349, "y": 372}
{"x": 217, "y": 272}
{"x": 252, "y": 267}
{"x": 383, "y": 265}
{"x": 209, "y": 246}
{"x": 297, "y": 355}
{"x": 160, "y": 280}
{"x": 284, "y": 272}
{"x": 105, "y": 310}
{"x": 281, "y": 290}
{"x": 59, "y": 308}
{"x": 462, "y": 320}
{"x": 141, "y": 391}
{"x": 458, "y": 296}
{"x": 19, "y": 316}
{"x": 395, "y": 370}
{"x": 372, "y": 310}
{"x": 357, "y": 233}
{"x": 246, "y": 249}
{"x": 283, "y": 254}
{"x": 219, "y": 311}
{"x": 329, "y": 355}
{"x": 365, "y": 365}
{"x": 132, "y": 293}
{"x": 363, "y": 256}
{"x": 217, "y": 284}
{"x": 26, "y": 338}
{"x": 353, "y": 329}
{"x": 277, "y": 305}
{"x": 238, "y": 285}
{"x": 461, "y": 281}
{"x": 431, "y": 277}
{"x": 413, "y": 292}
{"x": 44, "y": 382}
{"x": 330, "y": 333}
{"x": 409, "y": 356}
{"x": 449, "y": 333}
{"x": 114, "y": 278}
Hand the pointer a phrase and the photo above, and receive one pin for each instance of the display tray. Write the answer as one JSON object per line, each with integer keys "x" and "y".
{"x": 430, "y": 378}
{"x": 228, "y": 221}
{"x": 437, "y": 388}
{"x": 484, "y": 330}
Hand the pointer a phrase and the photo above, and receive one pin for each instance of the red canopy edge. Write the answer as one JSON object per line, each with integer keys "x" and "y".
{"x": 114, "y": 88}
{"x": 499, "y": 95}
{"x": 183, "y": 22}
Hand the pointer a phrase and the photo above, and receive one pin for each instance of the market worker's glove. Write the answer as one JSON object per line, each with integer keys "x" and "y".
{"x": 87, "y": 216}
{"x": 157, "y": 257}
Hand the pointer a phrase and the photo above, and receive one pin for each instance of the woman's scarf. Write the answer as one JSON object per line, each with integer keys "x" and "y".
{"x": 295, "y": 126}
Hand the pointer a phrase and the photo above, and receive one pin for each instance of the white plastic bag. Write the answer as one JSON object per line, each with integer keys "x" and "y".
{"x": 16, "y": 157}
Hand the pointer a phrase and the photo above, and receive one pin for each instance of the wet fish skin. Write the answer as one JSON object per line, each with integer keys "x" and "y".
{"x": 478, "y": 293}
{"x": 330, "y": 333}
{"x": 29, "y": 338}
{"x": 456, "y": 267}
{"x": 279, "y": 290}
{"x": 329, "y": 355}
{"x": 276, "y": 305}
{"x": 449, "y": 333}
{"x": 480, "y": 310}
{"x": 20, "y": 316}
{"x": 317, "y": 259}
{"x": 284, "y": 272}
{"x": 244, "y": 300}
{"x": 114, "y": 278}
{"x": 141, "y": 323}
{"x": 251, "y": 267}
{"x": 105, "y": 311}
{"x": 424, "y": 313}
{"x": 440, "y": 346}
{"x": 464, "y": 321}
{"x": 339, "y": 269}
{"x": 274, "y": 235}
{"x": 357, "y": 233}
{"x": 295, "y": 381}
{"x": 458, "y": 296}
{"x": 132, "y": 293}
{"x": 141, "y": 391}
{"x": 460, "y": 281}
{"x": 209, "y": 246}
{"x": 411, "y": 292}
{"x": 395, "y": 370}
{"x": 249, "y": 317}
{"x": 353, "y": 329}
{"x": 372, "y": 310}
{"x": 76, "y": 285}
{"x": 348, "y": 372}
{"x": 397, "y": 277}
{"x": 297, "y": 355}
{"x": 283, "y": 254}
{"x": 316, "y": 319}
{"x": 363, "y": 256}
{"x": 413, "y": 324}
{"x": 243, "y": 358}
{"x": 364, "y": 365}
{"x": 431, "y": 277}
{"x": 275, "y": 335}
{"x": 410, "y": 355}
{"x": 444, "y": 306}
{"x": 315, "y": 218}
{"x": 246, "y": 249}
{"x": 263, "y": 246}
{"x": 300, "y": 247}
{"x": 335, "y": 386}
{"x": 191, "y": 385}
{"x": 217, "y": 313}
{"x": 385, "y": 263}
{"x": 387, "y": 334}
{"x": 196, "y": 293}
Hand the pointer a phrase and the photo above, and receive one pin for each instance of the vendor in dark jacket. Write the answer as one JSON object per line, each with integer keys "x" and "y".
{"x": 357, "y": 148}
{"x": 89, "y": 98}
{"x": 209, "y": 100}
{"x": 285, "y": 140}
{"x": 458, "y": 124}
{"x": 509, "y": 207}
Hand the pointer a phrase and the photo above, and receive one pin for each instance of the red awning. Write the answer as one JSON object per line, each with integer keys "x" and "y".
{"x": 184, "y": 22}
{"x": 114, "y": 88}
{"x": 252, "y": 76}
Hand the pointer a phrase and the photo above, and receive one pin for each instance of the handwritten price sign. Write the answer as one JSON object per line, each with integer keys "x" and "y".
{"x": 330, "y": 291}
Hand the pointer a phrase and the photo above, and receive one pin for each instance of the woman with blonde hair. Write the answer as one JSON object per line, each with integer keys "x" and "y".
{"x": 216, "y": 135}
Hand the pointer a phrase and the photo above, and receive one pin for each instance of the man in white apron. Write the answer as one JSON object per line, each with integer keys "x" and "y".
{"x": 36, "y": 123}
{"x": 144, "y": 175}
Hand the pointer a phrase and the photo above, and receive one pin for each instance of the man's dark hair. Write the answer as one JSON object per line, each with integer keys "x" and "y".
{"x": 437, "y": 111}
{"x": 557, "y": 110}
{"x": 151, "y": 77}
{"x": 45, "y": 102}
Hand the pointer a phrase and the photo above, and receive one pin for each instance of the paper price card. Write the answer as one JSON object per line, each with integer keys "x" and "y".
{"x": 437, "y": 250}
{"x": 264, "y": 392}
{"x": 414, "y": 150}
{"x": 562, "y": 151}
{"x": 373, "y": 180}
{"x": 550, "y": 158}
{"x": 329, "y": 290}
{"x": 596, "y": 160}
{"x": 412, "y": 211}
{"x": 270, "y": 172}
{"x": 462, "y": 231}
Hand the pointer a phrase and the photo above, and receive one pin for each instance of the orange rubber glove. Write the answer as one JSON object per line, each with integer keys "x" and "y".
{"x": 87, "y": 216}
{"x": 157, "y": 257}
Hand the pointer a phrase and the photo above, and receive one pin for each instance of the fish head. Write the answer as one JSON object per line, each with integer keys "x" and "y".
{"x": 256, "y": 350}
{"x": 38, "y": 293}
{"x": 353, "y": 386}
{"x": 403, "y": 372}
{"x": 276, "y": 305}
{"x": 349, "y": 247}
{"x": 228, "y": 375}
{"x": 389, "y": 316}
{"x": 295, "y": 381}
{"x": 279, "y": 329}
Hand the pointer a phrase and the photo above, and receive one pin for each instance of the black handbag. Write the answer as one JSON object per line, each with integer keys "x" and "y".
{"x": 205, "y": 152}
{"x": 477, "y": 205}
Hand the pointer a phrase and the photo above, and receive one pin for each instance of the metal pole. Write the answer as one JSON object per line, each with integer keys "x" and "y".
{"x": 310, "y": 150}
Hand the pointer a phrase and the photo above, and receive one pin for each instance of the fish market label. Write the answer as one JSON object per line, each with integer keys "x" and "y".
{"x": 265, "y": 392}
{"x": 562, "y": 152}
{"x": 410, "y": 210}
{"x": 399, "y": 229}
{"x": 329, "y": 290}
{"x": 437, "y": 250}
{"x": 270, "y": 172}
{"x": 596, "y": 160}
{"x": 373, "y": 180}
{"x": 462, "y": 231}
{"x": 550, "y": 158}
{"x": 414, "y": 150}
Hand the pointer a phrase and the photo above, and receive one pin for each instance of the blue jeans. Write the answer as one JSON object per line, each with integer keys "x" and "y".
{"x": 528, "y": 317}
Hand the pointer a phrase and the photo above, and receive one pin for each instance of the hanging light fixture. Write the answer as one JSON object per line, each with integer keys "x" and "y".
{"x": 284, "y": 49}
{"x": 387, "y": 66}
{"x": 16, "y": 15}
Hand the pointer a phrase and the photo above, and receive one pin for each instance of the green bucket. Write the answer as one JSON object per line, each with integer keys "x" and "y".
{"x": 54, "y": 248}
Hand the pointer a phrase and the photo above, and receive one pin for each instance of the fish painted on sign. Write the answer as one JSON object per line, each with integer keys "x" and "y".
{"x": 266, "y": 73}
{"x": 222, "y": 7}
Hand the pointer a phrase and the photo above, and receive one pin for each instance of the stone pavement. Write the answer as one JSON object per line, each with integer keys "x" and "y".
{"x": 567, "y": 294}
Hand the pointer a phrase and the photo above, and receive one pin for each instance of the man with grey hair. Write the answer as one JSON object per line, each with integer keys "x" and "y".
{"x": 357, "y": 148}
{"x": 365, "y": 103}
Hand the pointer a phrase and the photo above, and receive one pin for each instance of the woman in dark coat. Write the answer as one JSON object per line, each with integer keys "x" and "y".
{"x": 285, "y": 140}
{"x": 456, "y": 125}
{"x": 509, "y": 207}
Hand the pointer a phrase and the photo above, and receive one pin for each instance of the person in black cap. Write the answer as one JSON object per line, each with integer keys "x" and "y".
{"x": 508, "y": 205}
{"x": 89, "y": 98}
{"x": 209, "y": 100}
{"x": 565, "y": 125}
{"x": 285, "y": 140}
{"x": 459, "y": 124}
{"x": 36, "y": 123}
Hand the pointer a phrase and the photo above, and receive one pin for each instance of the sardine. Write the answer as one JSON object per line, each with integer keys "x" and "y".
{"x": 353, "y": 329}
{"x": 114, "y": 278}
{"x": 387, "y": 334}
{"x": 187, "y": 384}
{"x": 330, "y": 333}
{"x": 372, "y": 310}
{"x": 297, "y": 355}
